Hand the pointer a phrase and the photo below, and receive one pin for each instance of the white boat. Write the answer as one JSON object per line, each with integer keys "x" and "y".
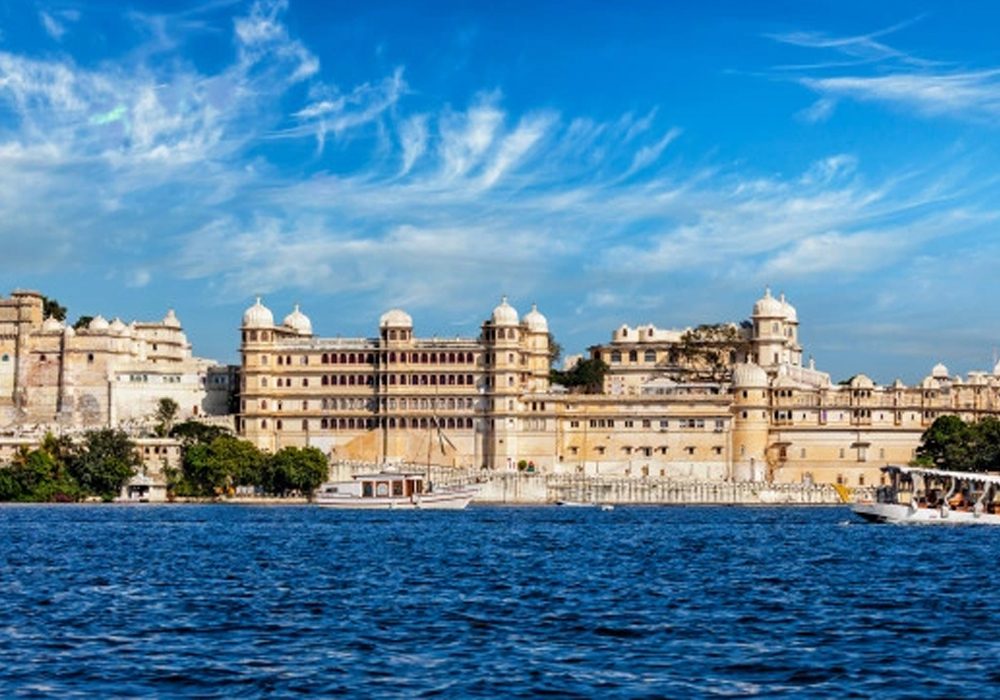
{"x": 934, "y": 496}
{"x": 393, "y": 490}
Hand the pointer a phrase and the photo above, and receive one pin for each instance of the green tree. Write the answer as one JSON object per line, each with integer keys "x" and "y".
{"x": 555, "y": 350}
{"x": 586, "y": 376}
{"x": 192, "y": 431}
{"x": 300, "y": 469}
{"x": 82, "y": 322}
{"x": 709, "y": 350}
{"x": 211, "y": 469}
{"x": 52, "y": 308}
{"x": 165, "y": 415}
{"x": 37, "y": 476}
{"x": 103, "y": 462}
{"x": 948, "y": 444}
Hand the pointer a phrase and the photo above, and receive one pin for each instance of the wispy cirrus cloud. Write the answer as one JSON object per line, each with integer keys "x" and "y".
{"x": 893, "y": 77}
{"x": 261, "y": 173}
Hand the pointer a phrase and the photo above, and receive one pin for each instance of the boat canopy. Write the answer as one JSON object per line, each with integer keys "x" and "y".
{"x": 979, "y": 477}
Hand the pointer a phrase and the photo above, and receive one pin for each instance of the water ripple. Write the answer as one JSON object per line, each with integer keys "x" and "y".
{"x": 215, "y": 601}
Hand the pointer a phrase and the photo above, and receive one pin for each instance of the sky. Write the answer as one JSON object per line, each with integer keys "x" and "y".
{"x": 644, "y": 162}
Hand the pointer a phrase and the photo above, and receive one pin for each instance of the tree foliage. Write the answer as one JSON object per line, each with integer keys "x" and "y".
{"x": 215, "y": 468}
{"x": 192, "y": 431}
{"x": 52, "y": 308}
{"x": 555, "y": 350}
{"x": 586, "y": 376}
{"x": 82, "y": 322}
{"x": 708, "y": 351}
{"x": 103, "y": 462}
{"x": 300, "y": 469}
{"x": 63, "y": 470}
{"x": 951, "y": 443}
{"x": 165, "y": 415}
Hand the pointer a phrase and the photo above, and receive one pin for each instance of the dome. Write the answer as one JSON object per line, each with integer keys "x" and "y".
{"x": 996, "y": 370}
{"x": 298, "y": 322}
{"x": 768, "y": 306}
{"x": 52, "y": 325}
{"x": 788, "y": 310}
{"x": 749, "y": 375}
{"x": 939, "y": 371}
{"x": 861, "y": 381}
{"x": 117, "y": 327}
{"x": 98, "y": 324}
{"x": 69, "y": 332}
{"x": 535, "y": 321}
{"x": 171, "y": 320}
{"x": 505, "y": 314}
{"x": 395, "y": 318}
{"x": 258, "y": 316}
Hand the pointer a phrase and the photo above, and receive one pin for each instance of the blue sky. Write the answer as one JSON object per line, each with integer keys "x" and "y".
{"x": 650, "y": 162}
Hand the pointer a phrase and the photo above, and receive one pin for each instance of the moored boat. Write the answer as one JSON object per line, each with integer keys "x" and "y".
{"x": 934, "y": 496}
{"x": 393, "y": 490}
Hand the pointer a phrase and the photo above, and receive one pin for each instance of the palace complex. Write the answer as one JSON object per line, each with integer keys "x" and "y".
{"x": 100, "y": 374}
{"x": 727, "y": 402}
{"x": 722, "y": 402}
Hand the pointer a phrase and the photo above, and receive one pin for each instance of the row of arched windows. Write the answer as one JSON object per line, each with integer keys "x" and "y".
{"x": 400, "y": 423}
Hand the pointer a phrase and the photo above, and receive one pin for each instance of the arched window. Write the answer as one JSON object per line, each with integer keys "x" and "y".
{"x": 263, "y": 422}
{"x": 325, "y": 381}
{"x": 6, "y": 357}
{"x": 434, "y": 357}
{"x": 423, "y": 357}
{"x": 305, "y": 425}
{"x": 278, "y": 425}
{"x": 325, "y": 359}
{"x": 392, "y": 357}
{"x": 650, "y": 356}
{"x": 281, "y": 360}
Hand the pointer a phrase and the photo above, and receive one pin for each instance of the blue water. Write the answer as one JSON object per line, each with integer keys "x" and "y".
{"x": 217, "y": 601}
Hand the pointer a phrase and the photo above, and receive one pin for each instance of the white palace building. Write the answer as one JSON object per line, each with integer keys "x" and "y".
{"x": 487, "y": 401}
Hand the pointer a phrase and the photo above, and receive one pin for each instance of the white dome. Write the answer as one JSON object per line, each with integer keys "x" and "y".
{"x": 505, "y": 314}
{"x": 52, "y": 325}
{"x": 98, "y": 324}
{"x": 298, "y": 322}
{"x": 788, "y": 310}
{"x": 769, "y": 307}
{"x": 395, "y": 318}
{"x": 117, "y": 327}
{"x": 862, "y": 381}
{"x": 258, "y": 316}
{"x": 69, "y": 332}
{"x": 171, "y": 320}
{"x": 939, "y": 371}
{"x": 535, "y": 321}
{"x": 749, "y": 375}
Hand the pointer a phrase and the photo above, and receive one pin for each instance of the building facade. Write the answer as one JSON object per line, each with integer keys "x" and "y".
{"x": 106, "y": 373}
{"x": 486, "y": 401}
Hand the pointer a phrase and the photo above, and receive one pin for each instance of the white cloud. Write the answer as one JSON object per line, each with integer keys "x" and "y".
{"x": 968, "y": 94}
{"x": 818, "y": 111}
{"x": 647, "y": 155}
{"x": 413, "y": 140}
{"x": 52, "y": 27}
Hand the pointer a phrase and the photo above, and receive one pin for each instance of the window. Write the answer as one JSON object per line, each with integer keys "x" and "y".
{"x": 633, "y": 356}
{"x": 616, "y": 356}
{"x": 650, "y": 356}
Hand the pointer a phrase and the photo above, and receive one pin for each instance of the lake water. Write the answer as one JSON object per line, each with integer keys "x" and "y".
{"x": 223, "y": 601}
